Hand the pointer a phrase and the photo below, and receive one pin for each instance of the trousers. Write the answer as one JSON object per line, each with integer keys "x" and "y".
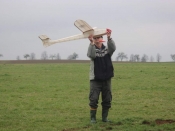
{"x": 103, "y": 87}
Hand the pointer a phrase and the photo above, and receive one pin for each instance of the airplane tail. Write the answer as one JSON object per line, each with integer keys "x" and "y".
{"x": 47, "y": 41}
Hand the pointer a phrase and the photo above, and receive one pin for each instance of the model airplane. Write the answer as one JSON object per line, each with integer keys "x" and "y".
{"x": 82, "y": 26}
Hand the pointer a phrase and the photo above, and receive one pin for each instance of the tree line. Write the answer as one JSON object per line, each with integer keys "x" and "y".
{"x": 45, "y": 56}
{"x": 121, "y": 56}
{"x": 137, "y": 58}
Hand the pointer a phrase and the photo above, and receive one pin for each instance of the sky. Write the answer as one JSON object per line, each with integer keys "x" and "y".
{"x": 138, "y": 26}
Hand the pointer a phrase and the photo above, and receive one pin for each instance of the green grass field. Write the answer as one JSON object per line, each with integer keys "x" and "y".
{"x": 54, "y": 97}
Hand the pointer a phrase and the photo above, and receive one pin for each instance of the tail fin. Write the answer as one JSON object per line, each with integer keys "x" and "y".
{"x": 45, "y": 39}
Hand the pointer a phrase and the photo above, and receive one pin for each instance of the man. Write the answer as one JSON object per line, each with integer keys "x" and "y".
{"x": 101, "y": 71}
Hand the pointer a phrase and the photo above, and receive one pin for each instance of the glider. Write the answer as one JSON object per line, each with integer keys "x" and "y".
{"x": 85, "y": 28}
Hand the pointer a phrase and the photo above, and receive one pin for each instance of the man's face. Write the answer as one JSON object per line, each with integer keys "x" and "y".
{"x": 96, "y": 39}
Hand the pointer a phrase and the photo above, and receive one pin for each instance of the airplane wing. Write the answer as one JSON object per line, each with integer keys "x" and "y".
{"x": 82, "y": 25}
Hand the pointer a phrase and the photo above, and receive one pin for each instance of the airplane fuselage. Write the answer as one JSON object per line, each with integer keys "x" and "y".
{"x": 86, "y": 30}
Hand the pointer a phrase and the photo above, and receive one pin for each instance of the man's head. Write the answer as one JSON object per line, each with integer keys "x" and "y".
{"x": 97, "y": 38}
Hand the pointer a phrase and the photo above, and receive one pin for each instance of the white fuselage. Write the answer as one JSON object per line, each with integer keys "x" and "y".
{"x": 95, "y": 32}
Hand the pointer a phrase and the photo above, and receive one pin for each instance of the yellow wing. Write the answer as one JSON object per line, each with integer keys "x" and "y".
{"x": 82, "y": 26}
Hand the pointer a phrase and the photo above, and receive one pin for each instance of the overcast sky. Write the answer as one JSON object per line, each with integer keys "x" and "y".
{"x": 138, "y": 26}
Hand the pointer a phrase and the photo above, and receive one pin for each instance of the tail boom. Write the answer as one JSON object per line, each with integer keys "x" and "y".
{"x": 47, "y": 41}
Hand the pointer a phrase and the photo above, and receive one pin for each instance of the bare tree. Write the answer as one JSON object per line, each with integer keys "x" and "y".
{"x": 132, "y": 58}
{"x": 137, "y": 57}
{"x": 52, "y": 56}
{"x": 32, "y": 56}
{"x": 151, "y": 59}
{"x": 44, "y": 56}
{"x": 121, "y": 56}
{"x": 26, "y": 56}
{"x": 159, "y": 57}
{"x": 173, "y": 56}
{"x": 144, "y": 58}
{"x": 1, "y": 55}
{"x": 18, "y": 58}
{"x": 58, "y": 57}
{"x": 73, "y": 56}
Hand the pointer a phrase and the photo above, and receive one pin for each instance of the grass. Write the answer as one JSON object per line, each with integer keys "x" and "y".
{"x": 54, "y": 97}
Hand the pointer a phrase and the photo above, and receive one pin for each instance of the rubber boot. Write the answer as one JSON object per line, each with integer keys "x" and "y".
{"x": 105, "y": 115}
{"x": 93, "y": 116}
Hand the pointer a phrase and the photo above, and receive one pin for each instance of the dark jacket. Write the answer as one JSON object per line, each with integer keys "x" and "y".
{"x": 101, "y": 67}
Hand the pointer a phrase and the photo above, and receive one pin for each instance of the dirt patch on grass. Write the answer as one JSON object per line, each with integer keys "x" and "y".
{"x": 146, "y": 122}
{"x": 110, "y": 126}
{"x": 160, "y": 121}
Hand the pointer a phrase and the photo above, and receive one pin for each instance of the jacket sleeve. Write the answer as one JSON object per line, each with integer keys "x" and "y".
{"x": 91, "y": 51}
{"x": 111, "y": 46}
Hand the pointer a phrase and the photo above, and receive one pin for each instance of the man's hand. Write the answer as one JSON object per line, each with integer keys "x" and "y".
{"x": 91, "y": 38}
{"x": 108, "y": 33}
